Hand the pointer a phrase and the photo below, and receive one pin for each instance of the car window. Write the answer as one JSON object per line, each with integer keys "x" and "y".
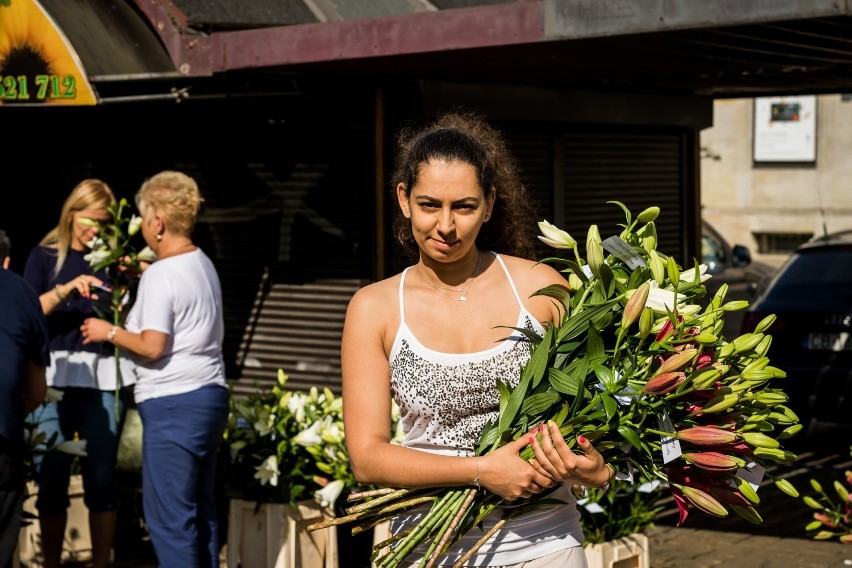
{"x": 711, "y": 250}
{"x": 827, "y": 270}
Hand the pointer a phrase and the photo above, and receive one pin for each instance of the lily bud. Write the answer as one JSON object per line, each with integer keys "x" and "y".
{"x": 648, "y": 237}
{"x": 678, "y": 361}
{"x": 812, "y": 503}
{"x": 759, "y": 440}
{"x": 555, "y": 237}
{"x": 663, "y": 384}
{"x": 765, "y": 323}
{"x": 786, "y": 487}
{"x": 735, "y": 305}
{"x": 720, "y": 403}
{"x": 748, "y": 513}
{"x": 646, "y": 322}
{"x": 704, "y": 501}
{"x": 134, "y": 225}
{"x": 658, "y": 270}
{"x": 706, "y": 435}
{"x": 841, "y": 491}
{"x": 594, "y": 251}
{"x": 713, "y": 461}
{"x": 673, "y": 270}
{"x": 706, "y": 379}
{"x": 635, "y": 305}
{"x": 648, "y": 215}
{"x": 87, "y": 222}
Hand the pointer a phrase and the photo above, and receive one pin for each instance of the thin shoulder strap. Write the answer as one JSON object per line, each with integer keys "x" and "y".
{"x": 511, "y": 282}
{"x": 401, "y": 302}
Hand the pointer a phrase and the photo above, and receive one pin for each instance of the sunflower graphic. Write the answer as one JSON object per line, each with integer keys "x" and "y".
{"x": 37, "y": 62}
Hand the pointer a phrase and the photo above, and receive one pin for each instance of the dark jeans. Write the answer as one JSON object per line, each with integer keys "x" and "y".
{"x": 11, "y": 499}
{"x": 91, "y": 414}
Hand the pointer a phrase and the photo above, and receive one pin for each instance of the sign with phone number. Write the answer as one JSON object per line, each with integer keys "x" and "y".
{"x": 44, "y": 87}
{"x": 38, "y": 64}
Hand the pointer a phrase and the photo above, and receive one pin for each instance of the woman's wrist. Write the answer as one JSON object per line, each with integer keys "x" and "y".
{"x": 57, "y": 290}
{"x": 610, "y": 475}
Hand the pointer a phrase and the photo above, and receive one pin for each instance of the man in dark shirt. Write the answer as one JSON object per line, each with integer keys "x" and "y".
{"x": 25, "y": 356}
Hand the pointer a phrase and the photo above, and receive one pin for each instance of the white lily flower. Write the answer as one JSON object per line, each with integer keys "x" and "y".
{"x": 689, "y": 275}
{"x": 264, "y": 423}
{"x": 54, "y": 395}
{"x": 267, "y": 472}
{"x": 73, "y": 447}
{"x": 146, "y": 255}
{"x": 96, "y": 243}
{"x": 310, "y": 436}
{"x": 97, "y": 256}
{"x": 555, "y": 237}
{"x": 328, "y": 495}
{"x": 296, "y": 406}
{"x": 331, "y": 432}
{"x": 134, "y": 225}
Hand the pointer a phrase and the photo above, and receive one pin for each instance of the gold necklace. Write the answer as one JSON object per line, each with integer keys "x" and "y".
{"x": 446, "y": 291}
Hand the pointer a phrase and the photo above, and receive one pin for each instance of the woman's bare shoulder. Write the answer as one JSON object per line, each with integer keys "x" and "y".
{"x": 377, "y": 297}
{"x": 532, "y": 274}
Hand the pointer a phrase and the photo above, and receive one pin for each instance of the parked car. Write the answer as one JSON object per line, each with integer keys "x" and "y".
{"x": 811, "y": 296}
{"x": 731, "y": 265}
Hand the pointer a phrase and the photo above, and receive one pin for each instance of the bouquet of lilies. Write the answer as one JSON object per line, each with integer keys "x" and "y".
{"x": 638, "y": 367}
{"x": 113, "y": 251}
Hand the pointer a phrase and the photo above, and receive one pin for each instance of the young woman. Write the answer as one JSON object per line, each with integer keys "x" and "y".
{"x": 85, "y": 374}
{"x": 175, "y": 330}
{"x": 435, "y": 338}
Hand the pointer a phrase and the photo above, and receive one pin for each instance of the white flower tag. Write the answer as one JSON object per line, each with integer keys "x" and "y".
{"x": 670, "y": 445}
{"x": 752, "y": 473}
{"x": 619, "y": 248}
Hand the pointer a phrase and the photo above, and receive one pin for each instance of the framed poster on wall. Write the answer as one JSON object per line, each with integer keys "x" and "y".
{"x": 785, "y": 130}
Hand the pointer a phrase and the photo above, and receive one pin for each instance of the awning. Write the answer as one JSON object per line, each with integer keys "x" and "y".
{"x": 137, "y": 49}
{"x": 712, "y": 48}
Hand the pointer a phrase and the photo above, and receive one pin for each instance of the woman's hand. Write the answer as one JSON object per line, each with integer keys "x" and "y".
{"x": 505, "y": 473}
{"x": 95, "y": 330}
{"x": 81, "y": 284}
{"x": 555, "y": 459}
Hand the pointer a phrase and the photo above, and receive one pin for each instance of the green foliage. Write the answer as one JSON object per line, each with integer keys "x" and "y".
{"x": 833, "y": 510}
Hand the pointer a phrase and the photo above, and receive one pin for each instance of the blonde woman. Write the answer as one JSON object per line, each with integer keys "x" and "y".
{"x": 175, "y": 330}
{"x": 84, "y": 374}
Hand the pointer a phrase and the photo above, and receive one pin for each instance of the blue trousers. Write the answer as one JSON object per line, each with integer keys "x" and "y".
{"x": 91, "y": 414}
{"x": 180, "y": 436}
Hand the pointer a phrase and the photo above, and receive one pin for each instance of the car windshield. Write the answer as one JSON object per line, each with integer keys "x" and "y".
{"x": 826, "y": 270}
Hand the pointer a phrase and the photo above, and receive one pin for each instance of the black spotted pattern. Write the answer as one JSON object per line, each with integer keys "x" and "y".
{"x": 446, "y": 399}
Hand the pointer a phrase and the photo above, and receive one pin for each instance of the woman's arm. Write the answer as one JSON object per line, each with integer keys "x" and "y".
{"x": 367, "y": 408}
{"x": 81, "y": 284}
{"x": 149, "y": 344}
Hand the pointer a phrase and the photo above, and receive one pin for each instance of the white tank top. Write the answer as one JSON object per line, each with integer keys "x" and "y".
{"x": 445, "y": 399}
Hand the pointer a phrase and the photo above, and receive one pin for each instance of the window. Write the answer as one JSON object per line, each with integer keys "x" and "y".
{"x": 779, "y": 243}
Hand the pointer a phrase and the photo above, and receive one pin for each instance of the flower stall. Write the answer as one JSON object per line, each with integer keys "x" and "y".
{"x": 285, "y": 467}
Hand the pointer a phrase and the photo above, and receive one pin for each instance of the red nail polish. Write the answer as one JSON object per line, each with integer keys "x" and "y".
{"x": 581, "y": 439}
{"x": 532, "y": 439}
{"x": 542, "y": 428}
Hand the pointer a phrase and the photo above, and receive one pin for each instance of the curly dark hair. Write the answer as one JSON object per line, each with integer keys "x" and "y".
{"x": 465, "y": 136}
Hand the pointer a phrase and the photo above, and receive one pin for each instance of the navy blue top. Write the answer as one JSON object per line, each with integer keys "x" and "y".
{"x": 65, "y": 320}
{"x": 23, "y": 335}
